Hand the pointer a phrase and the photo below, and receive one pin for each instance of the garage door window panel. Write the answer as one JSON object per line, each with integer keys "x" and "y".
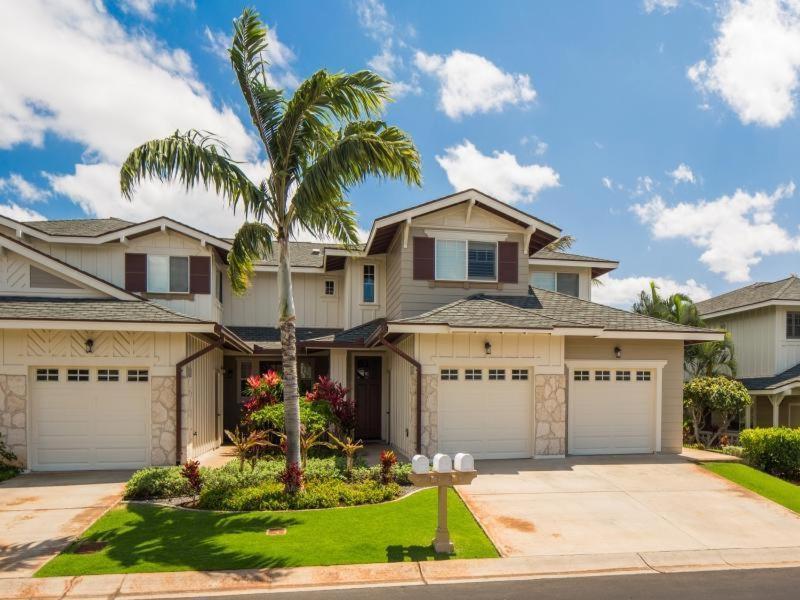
{"x": 46, "y": 374}
{"x": 519, "y": 374}
{"x": 138, "y": 375}
{"x": 581, "y": 376}
{"x": 108, "y": 375}
{"x": 602, "y": 375}
{"x": 473, "y": 374}
{"x": 497, "y": 374}
{"x": 77, "y": 374}
{"x": 642, "y": 375}
{"x": 623, "y": 375}
{"x": 449, "y": 375}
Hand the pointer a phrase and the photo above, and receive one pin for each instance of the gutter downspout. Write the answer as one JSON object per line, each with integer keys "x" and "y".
{"x": 179, "y": 387}
{"x": 418, "y": 367}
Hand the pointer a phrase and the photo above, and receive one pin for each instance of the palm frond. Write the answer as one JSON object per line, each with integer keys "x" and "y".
{"x": 193, "y": 158}
{"x": 251, "y": 243}
{"x": 565, "y": 242}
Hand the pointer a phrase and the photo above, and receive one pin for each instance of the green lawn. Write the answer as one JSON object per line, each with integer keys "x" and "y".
{"x": 775, "y": 489}
{"x": 144, "y": 538}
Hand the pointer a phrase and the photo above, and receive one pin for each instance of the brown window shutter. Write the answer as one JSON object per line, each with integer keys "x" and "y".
{"x": 136, "y": 272}
{"x": 424, "y": 249}
{"x": 507, "y": 262}
{"x": 200, "y": 274}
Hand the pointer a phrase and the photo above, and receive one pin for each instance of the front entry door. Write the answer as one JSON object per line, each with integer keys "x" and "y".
{"x": 368, "y": 397}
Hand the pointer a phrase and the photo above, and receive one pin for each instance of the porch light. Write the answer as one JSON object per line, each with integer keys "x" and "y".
{"x": 89, "y": 345}
{"x": 487, "y": 347}
{"x": 617, "y": 351}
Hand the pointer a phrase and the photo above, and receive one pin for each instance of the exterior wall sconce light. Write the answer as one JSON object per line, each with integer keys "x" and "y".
{"x": 89, "y": 345}
{"x": 487, "y": 347}
{"x": 618, "y": 352}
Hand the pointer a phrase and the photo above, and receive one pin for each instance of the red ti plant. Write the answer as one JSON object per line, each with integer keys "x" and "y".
{"x": 262, "y": 390}
{"x": 292, "y": 478}
{"x": 191, "y": 472}
{"x": 342, "y": 406}
{"x": 388, "y": 460}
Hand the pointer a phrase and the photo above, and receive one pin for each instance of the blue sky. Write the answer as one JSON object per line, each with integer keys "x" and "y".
{"x": 661, "y": 133}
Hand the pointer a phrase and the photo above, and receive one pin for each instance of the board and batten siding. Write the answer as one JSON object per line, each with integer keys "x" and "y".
{"x": 755, "y": 339}
{"x": 672, "y": 391}
{"x": 402, "y": 398}
{"x": 203, "y": 396}
{"x": 409, "y": 296}
{"x": 22, "y": 277}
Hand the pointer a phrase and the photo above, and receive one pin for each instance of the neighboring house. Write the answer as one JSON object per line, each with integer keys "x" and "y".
{"x": 122, "y": 344}
{"x": 764, "y": 322}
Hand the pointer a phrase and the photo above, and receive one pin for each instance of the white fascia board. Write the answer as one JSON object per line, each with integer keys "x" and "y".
{"x": 108, "y": 326}
{"x": 416, "y": 328}
{"x": 554, "y": 262}
{"x": 784, "y": 388}
{"x": 740, "y": 309}
{"x": 56, "y": 265}
{"x": 572, "y": 363}
{"x": 343, "y": 252}
{"x": 437, "y": 328}
{"x": 578, "y": 331}
{"x": 274, "y": 269}
{"x": 663, "y": 335}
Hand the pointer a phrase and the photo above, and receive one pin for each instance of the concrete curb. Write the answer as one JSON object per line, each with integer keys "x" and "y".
{"x": 209, "y": 583}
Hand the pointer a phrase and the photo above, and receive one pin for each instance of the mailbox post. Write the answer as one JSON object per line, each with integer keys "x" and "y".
{"x": 443, "y": 477}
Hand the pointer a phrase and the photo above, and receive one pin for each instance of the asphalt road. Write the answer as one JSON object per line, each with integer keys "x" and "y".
{"x": 766, "y": 584}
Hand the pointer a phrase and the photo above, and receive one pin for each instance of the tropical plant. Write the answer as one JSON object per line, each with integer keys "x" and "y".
{"x": 388, "y": 460}
{"x": 560, "y": 244}
{"x": 342, "y": 406}
{"x": 247, "y": 444}
{"x": 261, "y": 390}
{"x": 292, "y": 478}
{"x": 7, "y": 456}
{"x": 677, "y": 308}
{"x": 319, "y": 142}
{"x": 191, "y": 473}
{"x": 723, "y": 396}
{"x": 349, "y": 448}
{"x": 314, "y": 416}
{"x": 711, "y": 358}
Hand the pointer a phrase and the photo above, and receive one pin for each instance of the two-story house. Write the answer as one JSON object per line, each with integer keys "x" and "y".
{"x": 764, "y": 322}
{"x": 123, "y": 345}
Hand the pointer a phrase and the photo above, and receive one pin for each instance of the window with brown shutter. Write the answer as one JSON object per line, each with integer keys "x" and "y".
{"x": 507, "y": 262}
{"x": 136, "y": 272}
{"x": 199, "y": 274}
{"x": 423, "y": 249}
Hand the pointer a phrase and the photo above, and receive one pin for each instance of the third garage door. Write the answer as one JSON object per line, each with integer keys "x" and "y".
{"x": 611, "y": 411}
{"x": 486, "y": 412}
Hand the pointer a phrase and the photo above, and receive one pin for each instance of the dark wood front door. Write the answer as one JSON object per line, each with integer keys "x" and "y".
{"x": 368, "y": 397}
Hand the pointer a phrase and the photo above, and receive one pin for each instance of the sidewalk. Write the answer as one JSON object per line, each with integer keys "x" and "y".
{"x": 701, "y": 456}
{"x": 190, "y": 583}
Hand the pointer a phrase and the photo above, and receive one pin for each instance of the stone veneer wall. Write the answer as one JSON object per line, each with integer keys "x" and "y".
{"x": 550, "y": 397}
{"x": 162, "y": 420}
{"x": 430, "y": 414}
{"x": 13, "y": 415}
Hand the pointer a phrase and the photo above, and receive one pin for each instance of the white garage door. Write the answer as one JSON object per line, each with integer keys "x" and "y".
{"x": 486, "y": 412}
{"x": 89, "y": 418}
{"x": 612, "y": 411}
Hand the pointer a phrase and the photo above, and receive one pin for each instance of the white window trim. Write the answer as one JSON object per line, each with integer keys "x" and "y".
{"x": 374, "y": 285}
{"x": 467, "y": 240}
{"x": 169, "y": 257}
{"x": 335, "y": 288}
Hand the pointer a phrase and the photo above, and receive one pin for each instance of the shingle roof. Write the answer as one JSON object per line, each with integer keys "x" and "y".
{"x": 765, "y": 383}
{"x": 784, "y": 289}
{"x": 353, "y": 336}
{"x": 542, "y": 309}
{"x": 79, "y": 227}
{"x": 270, "y": 337}
{"x": 557, "y": 255}
{"x": 86, "y": 309}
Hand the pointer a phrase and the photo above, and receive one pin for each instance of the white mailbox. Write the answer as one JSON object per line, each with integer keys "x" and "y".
{"x": 442, "y": 463}
{"x": 420, "y": 464}
{"x": 464, "y": 462}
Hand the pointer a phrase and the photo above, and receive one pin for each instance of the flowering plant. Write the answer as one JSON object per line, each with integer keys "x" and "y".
{"x": 263, "y": 390}
{"x": 388, "y": 460}
{"x": 342, "y": 407}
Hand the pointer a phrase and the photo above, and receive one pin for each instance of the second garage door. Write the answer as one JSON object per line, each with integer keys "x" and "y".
{"x": 486, "y": 412}
{"x": 611, "y": 411}
{"x": 93, "y": 418}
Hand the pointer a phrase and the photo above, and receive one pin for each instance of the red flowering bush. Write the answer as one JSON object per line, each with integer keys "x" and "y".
{"x": 191, "y": 472}
{"x": 342, "y": 407}
{"x": 388, "y": 461}
{"x": 292, "y": 478}
{"x": 263, "y": 390}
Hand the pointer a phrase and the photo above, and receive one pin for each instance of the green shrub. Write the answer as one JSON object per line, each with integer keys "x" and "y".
{"x": 732, "y": 450}
{"x": 157, "y": 482}
{"x": 313, "y": 416}
{"x": 774, "y": 450}
{"x": 316, "y": 494}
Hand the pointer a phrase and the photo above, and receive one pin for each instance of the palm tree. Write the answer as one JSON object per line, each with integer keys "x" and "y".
{"x": 319, "y": 142}
{"x": 710, "y": 359}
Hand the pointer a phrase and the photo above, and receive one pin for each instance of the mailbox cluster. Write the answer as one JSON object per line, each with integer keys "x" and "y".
{"x": 442, "y": 463}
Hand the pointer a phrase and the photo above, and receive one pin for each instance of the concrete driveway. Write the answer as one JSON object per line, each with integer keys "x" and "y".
{"x": 40, "y": 513}
{"x": 620, "y": 504}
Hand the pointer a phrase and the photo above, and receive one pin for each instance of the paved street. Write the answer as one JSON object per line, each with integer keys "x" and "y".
{"x": 777, "y": 584}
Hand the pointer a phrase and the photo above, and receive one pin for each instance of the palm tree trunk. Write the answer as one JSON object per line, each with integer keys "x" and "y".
{"x": 286, "y": 320}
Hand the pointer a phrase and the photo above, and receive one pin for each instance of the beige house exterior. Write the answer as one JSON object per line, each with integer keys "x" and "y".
{"x": 454, "y": 328}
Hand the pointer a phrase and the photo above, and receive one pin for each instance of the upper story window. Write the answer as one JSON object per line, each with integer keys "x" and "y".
{"x": 368, "y": 291}
{"x": 167, "y": 274}
{"x": 463, "y": 260}
{"x": 793, "y": 325}
{"x": 219, "y": 285}
{"x": 330, "y": 287}
{"x": 564, "y": 283}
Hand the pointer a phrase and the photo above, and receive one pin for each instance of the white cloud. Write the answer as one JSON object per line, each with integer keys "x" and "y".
{"x": 20, "y": 213}
{"x": 469, "y": 83}
{"x": 644, "y": 185}
{"x": 499, "y": 174}
{"x": 682, "y": 174}
{"x": 147, "y": 8}
{"x": 664, "y": 6}
{"x": 374, "y": 18}
{"x": 623, "y": 291}
{"x": 734, "y": 232}
{"x": 755, "y": 60}
{"x": 88, "y": 80}
{"x": 539, "y": 146}
{"x": 15, "y": 184}
{"x": 607, "y": 182}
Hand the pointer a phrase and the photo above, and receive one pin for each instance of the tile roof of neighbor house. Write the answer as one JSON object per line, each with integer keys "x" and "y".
{"x": 270, "y": 337}
{"x": 776, "y": 381}
{"x": 784, "y": 289}
{"x": 89, "y": 309}
{"x": 79, "y": 227}
{"x": 542, "y": 309}
{"x": 558, "y": 255}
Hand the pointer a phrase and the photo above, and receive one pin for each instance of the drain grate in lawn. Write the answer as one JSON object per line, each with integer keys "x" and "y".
{"x": 143, "y": 538}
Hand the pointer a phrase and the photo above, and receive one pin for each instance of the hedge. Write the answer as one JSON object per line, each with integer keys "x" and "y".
{"x": 775, "y": 450}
